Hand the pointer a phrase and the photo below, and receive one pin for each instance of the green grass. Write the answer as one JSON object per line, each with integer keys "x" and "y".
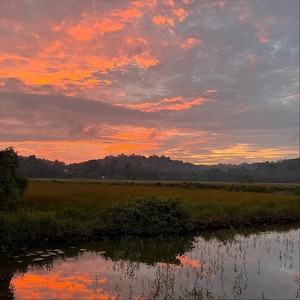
{"x": 59, "y": 209}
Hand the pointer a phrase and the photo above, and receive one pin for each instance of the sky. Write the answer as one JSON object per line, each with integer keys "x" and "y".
{"x": 200, "y": 81}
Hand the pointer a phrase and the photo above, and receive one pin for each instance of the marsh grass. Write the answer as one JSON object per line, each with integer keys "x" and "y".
{"x": 54, "y": 210}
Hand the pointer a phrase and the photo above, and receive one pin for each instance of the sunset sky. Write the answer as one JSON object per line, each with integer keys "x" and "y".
{"x": 199, "y": 81}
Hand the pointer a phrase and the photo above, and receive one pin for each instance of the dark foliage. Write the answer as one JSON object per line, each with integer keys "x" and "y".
{"x": 12, "y": 186}
{"x": 150, "y": 216}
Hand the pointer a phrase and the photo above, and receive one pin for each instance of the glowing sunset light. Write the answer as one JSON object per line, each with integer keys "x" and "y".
{"x": 199, "y": 81}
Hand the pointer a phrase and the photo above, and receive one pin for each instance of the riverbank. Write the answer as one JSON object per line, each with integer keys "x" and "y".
{"x": 54, "y": 212}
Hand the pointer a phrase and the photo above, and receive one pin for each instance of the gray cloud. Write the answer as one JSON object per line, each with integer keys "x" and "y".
{"x": 57, "y": 117}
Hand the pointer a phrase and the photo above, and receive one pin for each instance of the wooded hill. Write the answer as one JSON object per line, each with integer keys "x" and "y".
{"x": 137, "y": 167}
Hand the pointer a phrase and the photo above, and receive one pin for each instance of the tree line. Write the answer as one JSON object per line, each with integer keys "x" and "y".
{"x": 137, "y": 167}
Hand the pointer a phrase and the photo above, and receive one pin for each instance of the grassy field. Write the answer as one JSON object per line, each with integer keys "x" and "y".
{"x": 53, "y": 209}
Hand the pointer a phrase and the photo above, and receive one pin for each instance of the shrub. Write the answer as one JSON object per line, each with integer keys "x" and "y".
{"x": 150, "y": 216}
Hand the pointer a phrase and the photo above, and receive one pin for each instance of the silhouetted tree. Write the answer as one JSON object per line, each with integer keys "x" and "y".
{"x": 12, "y": 186}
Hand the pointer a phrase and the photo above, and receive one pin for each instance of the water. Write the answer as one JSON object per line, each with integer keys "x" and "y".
{"x": 260, "y": 264}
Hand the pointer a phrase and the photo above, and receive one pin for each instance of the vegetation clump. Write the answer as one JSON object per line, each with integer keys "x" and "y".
{"x": 150, "y": 216}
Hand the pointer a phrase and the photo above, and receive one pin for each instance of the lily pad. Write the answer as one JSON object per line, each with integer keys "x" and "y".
{"x": 38, "y": 259}
{"x": 45, "y": 255}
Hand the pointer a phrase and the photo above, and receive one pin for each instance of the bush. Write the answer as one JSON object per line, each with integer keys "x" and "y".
{"x": 150, "y": 216}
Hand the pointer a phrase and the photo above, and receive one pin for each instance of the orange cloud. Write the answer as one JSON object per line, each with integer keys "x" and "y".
{"x": 127, "y": 14}
{"x": 211, "y": 91}
{"x": 145, "y": 60}
{"x": 88, "y": 28}
{"x": 130, "y": 139}
{"x": 160, "y": 20}
{"x": 176, "y": 103}
{"x": 108, "y": 25}
{"x": 149, "y": 4}
{"x": 81, "y": 32}
{"x": 180, "y": 13}
{"x": 170, "y": 3}
{"x": 68, "y": 61}
{"x": 130, "y": 133}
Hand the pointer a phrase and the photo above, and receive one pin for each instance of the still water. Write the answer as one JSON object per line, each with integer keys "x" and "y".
{"x": 253, "y": 264}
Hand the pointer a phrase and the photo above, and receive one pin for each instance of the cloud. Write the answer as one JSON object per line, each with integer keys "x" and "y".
{"x": 74, "y": 72}
{"x": 176, "y": 103}
{"x": 57, "y": 117}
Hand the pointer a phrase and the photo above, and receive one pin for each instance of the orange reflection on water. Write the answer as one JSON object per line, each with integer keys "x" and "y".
{"x": 58, "y": 286}
{"x": 187, "y": 261}
{"x": 184, "y": 260}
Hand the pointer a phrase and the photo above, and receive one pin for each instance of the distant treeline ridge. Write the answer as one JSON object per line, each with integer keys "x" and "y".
{"x": 137, "y": 167}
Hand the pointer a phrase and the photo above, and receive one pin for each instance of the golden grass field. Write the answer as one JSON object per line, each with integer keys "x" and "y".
{"x": 53, "y": 210}
{"x": 200, "y": 202}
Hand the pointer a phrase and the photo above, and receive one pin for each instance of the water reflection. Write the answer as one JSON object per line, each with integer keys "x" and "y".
{"x": 225, "y": 264}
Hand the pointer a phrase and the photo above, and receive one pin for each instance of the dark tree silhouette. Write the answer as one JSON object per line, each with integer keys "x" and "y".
{"x": 12, "y": 186}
